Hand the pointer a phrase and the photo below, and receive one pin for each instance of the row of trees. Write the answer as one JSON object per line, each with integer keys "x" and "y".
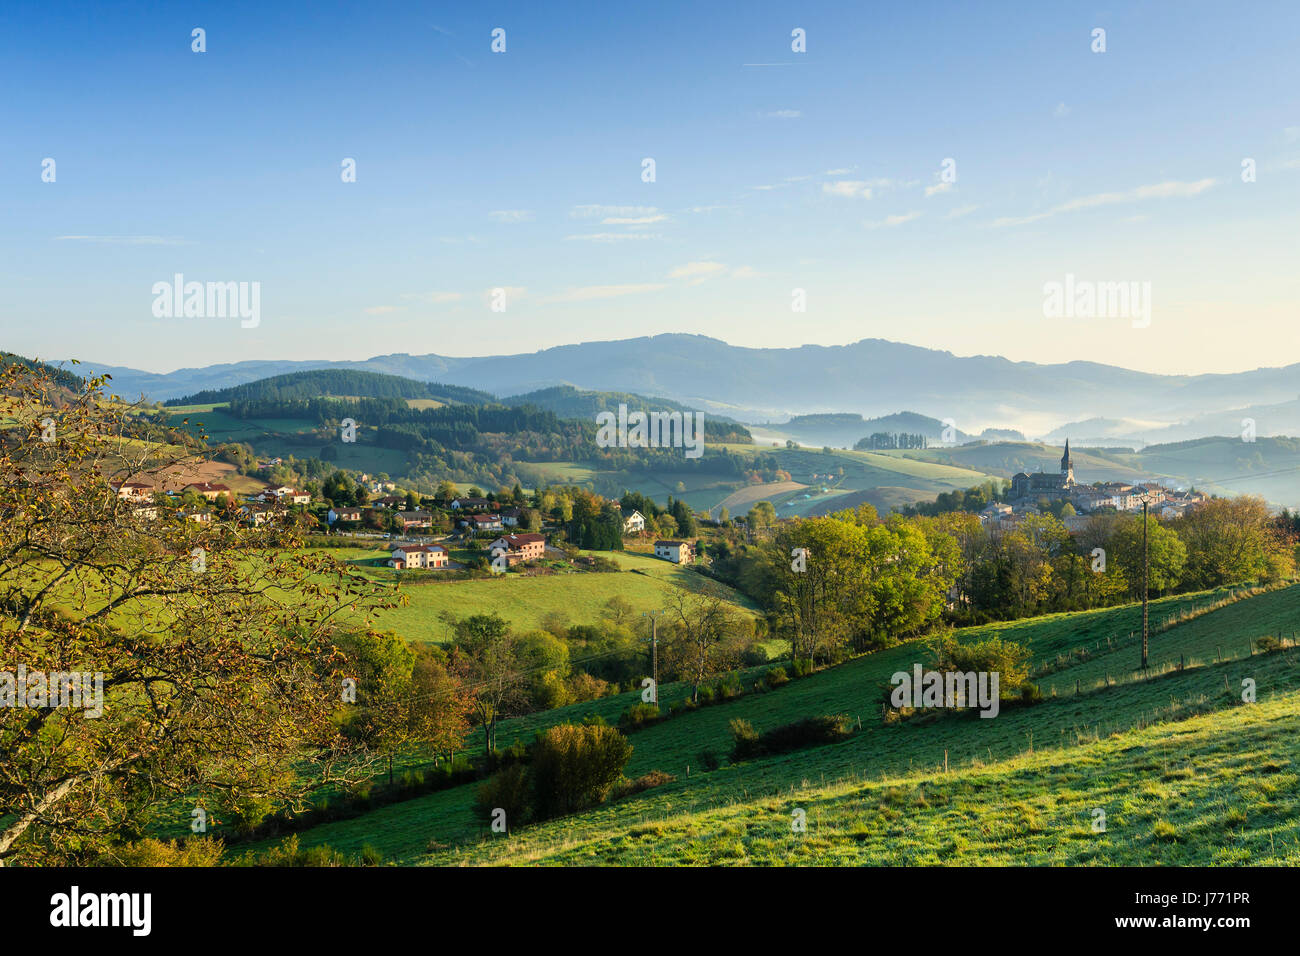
{"x": 853, "y": 580}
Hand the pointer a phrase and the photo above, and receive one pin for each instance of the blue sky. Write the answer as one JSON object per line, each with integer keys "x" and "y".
{"x": 522, "y": 171}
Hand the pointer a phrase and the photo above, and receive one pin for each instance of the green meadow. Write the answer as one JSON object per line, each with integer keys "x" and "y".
{"x": 1157, "y": 753}
{"x": 525, "y": 602}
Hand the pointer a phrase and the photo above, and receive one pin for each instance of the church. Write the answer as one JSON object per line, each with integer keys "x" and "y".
{"x": 1047, "y": 483}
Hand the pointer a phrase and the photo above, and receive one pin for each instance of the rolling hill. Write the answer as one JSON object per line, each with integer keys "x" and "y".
{"x": 1185, "y": 771}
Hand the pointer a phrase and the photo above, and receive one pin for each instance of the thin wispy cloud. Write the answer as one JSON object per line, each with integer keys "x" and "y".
{"x": 512, "y": 215}
{"x": 853, "y": 188}
{"x": 890, "y": 221}
{"x": 597, "y": 211}
{"x": 961, "y": 211}
{"x": 632, "y": 221}
{"x": 785, "y": 114}
{"x": 936, "y": 189}
{"x": 1165, "y": 190}
{"x": 611, "y": 236}
{"x": 130, "y": 240}
{"x": 696, "y": 272}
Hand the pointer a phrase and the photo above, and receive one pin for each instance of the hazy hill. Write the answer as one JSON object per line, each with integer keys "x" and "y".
{"x": 840, "y": 430}
{"x": 339, "y": 382}
{"x": 872, "y": 377}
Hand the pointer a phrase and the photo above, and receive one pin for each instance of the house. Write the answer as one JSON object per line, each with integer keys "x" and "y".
{"x": 389, "y": 501}
{"x": 258, "y": 514}
{"x": 633, "y": 521}
{"x": 994, "y": 512}
{"x": 344, "y": 513}
{"x": 209, "y": 490}
{"x": 470, "y": 504}
{"x": 134, "y": 491}
{"x": 144, "y": 511}
{"x": 408, "y": 556}
{"x": 529, "y": 546}
{"x": 288, "y": 495}
{"x": 678, "y": 552}
{"x": 1091, "y": 499}
{"x": 197, "y": 515}
{"x": 510, "y": 517}
{"x": 477, "y": 523}
{"x": 414, "y": 519}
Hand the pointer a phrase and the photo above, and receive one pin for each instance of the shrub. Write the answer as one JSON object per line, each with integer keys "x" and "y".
{"x": 802, "y": 666}
{"x": 628, "y": 788}
{"x": 776, "y": 677}
{"x": 290, "y": 854}
{"x": 728, "y": 689}
{"x": 808, "y": 732}
{"x": 1030, "y": 693}
{"x": 1008, "y": 659}
{"x": 639, "y": 715}
{"x": 744, "y": 740}
{"x": 371, "y": 856}
{"x": 574, "y": 767}
{"x": 508, "y": 790}
{"x": 709, "y": 760}
{"x": 1267, "y": 643}
{"x": 193, "y": 851}
{"x": 705, "y": 695}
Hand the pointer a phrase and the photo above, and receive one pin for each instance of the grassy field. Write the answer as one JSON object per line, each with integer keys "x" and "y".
{"x": 887, "y": 773}
{"x": 822, "y": 482}
{"x": 645, "y": 583}
{"x": 1218, "y": 789}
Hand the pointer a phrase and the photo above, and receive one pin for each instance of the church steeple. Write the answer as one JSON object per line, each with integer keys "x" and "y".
{"x": 1067, "y": 463}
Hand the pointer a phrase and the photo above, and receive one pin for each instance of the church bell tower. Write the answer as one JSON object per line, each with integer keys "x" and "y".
{"x": 1067, "y": 464}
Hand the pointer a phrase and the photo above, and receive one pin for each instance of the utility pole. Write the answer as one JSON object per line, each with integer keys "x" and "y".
{"x": 1146, "y": 577}
{"x": 654, "y": 653}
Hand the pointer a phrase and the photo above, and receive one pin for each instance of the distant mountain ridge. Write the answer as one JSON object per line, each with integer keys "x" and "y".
{"x": 873, "y": 377}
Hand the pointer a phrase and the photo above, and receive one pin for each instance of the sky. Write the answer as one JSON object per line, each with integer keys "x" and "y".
{"x": 920, "y": 171}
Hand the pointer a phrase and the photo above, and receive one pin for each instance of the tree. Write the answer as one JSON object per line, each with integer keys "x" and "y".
{"x": 822, "y": 571}
{"x": 1167, "y": 555}
{"x": 702, "y": 637}
{"x": 486, "y": 656}
{"x": 1228, "y": 541}
{"x": 206, "y": 684}
{"x": 405, "y": 697}
{"x": 762, "y": 515}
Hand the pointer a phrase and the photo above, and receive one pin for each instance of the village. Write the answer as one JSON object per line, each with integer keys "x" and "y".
{"x": 420, "y": 531}
{"x": 1031, "y": 494}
